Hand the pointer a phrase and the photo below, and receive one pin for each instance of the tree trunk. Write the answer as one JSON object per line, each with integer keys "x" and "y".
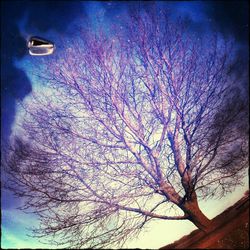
{"x": 196, "y": 216}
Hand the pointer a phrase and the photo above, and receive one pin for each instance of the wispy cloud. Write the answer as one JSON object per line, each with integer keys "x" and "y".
{"x": 18, "y": 240}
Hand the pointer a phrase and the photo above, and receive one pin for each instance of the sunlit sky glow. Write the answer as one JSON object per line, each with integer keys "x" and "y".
{"x": 158, "y": 233}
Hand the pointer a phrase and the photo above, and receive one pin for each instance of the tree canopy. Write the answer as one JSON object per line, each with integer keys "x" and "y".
{"x": 133, "y": 123}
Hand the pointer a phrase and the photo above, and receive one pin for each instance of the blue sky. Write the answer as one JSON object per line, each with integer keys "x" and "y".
{"x": 51, "y": 19}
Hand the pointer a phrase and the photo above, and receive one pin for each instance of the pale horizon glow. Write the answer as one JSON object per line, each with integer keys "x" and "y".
{"x": 157, "y": 234}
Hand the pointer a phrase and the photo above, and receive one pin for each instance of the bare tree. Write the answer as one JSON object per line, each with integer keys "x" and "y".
{"x": 135, "y": 123}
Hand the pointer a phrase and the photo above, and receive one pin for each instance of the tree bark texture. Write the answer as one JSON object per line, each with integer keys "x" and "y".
{"x": 195, "y": 215}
